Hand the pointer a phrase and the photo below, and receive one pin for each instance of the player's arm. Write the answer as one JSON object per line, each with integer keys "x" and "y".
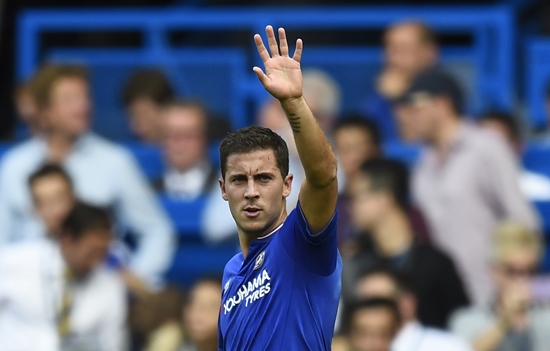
{"x": 283, "y": 80}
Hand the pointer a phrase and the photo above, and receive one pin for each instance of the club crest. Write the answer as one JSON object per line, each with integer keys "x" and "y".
{"x": 259, "y": 260}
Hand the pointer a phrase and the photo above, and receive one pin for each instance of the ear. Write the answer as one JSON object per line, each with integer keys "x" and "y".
{"x": 222, "y": 187}
{"x": 407, "y": 306}
{"x": 287, "y": 185}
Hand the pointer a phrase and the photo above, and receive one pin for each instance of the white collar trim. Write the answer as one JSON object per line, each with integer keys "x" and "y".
{"x": 271, "y": 233}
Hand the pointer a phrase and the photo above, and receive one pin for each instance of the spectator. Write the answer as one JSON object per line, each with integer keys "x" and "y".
{"x": 189, "y": 173}
{"x": 380, "y": 202}
{"x": 26, "y": 111}
{"x": 409, "y": 47}
{"x": 57, "y": 296}
{"x": 373, "y": 324}
{"x": 103, "y": 174}
{"x": 144, "y": 95}
{"x": 466, "y": 181}
{"x": 200, "y": 316}
{"x": 383, "y": 283}
{"x": 513, "y": 321}
{"x": 534, "y": 186}
{"x": 322, "y": 93}
{"x": 52, "y": 194}
{"x": 156, "y": 321}
{"x": 356, "y": 140}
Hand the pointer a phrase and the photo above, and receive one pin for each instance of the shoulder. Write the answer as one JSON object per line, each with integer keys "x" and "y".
{"x": 97, "y": 144}
{"x": 485, "y": 140}
{"x": 470, "y": 319}
{"x": 22, "y": 156}
{"x": 428, "y": 252}
{"x": 110, "y": 282}
{"x": 24, "y": 252}
{"x": 232, "y": 266}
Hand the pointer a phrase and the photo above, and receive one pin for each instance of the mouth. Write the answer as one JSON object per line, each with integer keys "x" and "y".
{"x": 252, "y": 212}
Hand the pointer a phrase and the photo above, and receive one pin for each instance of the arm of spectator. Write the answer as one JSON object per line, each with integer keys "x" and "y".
{"x": 503, "y": 180}
{"x": 217, "y": 222}
{"x": 113, "y": 332}
{"x": 141, "y": 211}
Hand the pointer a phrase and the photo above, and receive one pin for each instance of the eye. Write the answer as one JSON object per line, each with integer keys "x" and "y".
{"x": 265, "y": 177}
{"x": 239, "y": 179}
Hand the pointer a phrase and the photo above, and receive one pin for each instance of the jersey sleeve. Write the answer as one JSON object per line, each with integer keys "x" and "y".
{"x": 317, "y": 253}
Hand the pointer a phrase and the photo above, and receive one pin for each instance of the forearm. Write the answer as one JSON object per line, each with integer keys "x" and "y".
{"x": 316, "y": 154}
{"x": 491, "y": 339}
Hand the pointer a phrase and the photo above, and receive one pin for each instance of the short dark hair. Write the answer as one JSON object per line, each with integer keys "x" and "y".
{"x": 389, "y": 175}
{"x": 83, "y": 218}
{"x": 373, "y": 304}
{"x": 251, "y": 139}
{"x": 148, "y": 83}
{"x": 40, "y": 87}
{"x": 47, "y": 170}
{"x": 360, "y": 122}
{"x": 403, "y": 281}
{"x": 508, "y": 120}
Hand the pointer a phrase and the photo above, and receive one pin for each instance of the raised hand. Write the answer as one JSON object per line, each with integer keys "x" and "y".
{"x": 283, "y": 76}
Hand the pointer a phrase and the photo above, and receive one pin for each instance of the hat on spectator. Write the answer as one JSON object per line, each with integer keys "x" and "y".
{"x": 431, "y": 83}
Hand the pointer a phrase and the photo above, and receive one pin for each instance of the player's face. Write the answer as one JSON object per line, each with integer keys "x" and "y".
{"x": 372, "y": 330}
{"x": 256, "y": 191}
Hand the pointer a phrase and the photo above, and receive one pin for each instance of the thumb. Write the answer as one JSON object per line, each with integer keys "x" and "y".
{"x": 261, "y": 75}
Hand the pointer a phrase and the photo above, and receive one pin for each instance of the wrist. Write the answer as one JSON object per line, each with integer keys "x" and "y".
{"x": 292, "y": 104}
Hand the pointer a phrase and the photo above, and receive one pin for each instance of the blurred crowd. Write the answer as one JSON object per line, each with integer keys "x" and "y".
{"x": 441, "y": 255}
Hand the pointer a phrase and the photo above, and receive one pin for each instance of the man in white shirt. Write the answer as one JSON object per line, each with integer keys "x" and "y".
{"x": 57, "y": 295}
{"x": 384, "y": 283}
{"x": 189, "y": 173}
{"x": 103, "y": 174}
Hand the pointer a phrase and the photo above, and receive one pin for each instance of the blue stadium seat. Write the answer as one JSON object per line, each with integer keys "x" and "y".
{"x": 4, "y": 147}
{"x": 406, "y": 153}
{"x": 149, "y": 158}
{"x": 536, "y": 158}
{"x": 185, "y": 215}
{"x": 194, "y": 261}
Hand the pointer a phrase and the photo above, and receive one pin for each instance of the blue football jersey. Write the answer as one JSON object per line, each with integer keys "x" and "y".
{"x": 285, "y": 294}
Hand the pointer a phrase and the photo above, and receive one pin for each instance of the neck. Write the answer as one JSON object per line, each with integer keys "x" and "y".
{"x": 393, "y": 235}
{"x": 446, "y": 135}
{"x": 246, "y": 238}
{"x": 207, "y": 345}
{"x": 59, "y": 146}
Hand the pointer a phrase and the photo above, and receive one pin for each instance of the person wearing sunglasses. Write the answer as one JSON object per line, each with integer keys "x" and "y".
{"x": 517, "y": 319}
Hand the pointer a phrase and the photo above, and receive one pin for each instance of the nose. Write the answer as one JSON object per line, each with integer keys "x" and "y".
{"x": 251, "y": 190}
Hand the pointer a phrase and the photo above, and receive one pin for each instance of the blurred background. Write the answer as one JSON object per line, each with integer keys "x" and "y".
{"x": 165, "y": 81}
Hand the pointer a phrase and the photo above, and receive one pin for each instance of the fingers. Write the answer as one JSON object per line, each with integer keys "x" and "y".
{"x": 272, "y": 41}
{"x": 264, "y": 55}
{"x": 261, "y": 75}
{"x": 298, "y": 52}
{"x": 283, "y": 42}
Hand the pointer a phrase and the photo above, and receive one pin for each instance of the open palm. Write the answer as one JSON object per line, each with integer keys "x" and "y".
{"x": 283, "y": 76}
